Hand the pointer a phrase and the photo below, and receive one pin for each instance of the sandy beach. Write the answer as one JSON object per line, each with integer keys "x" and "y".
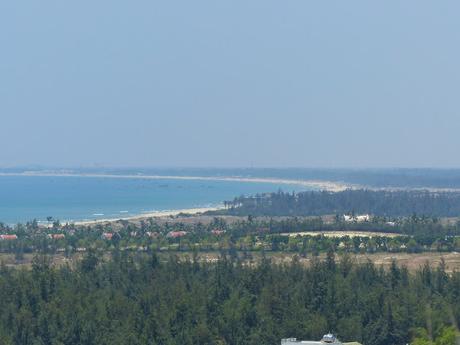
{"x": 313, "y": 184}
{"x": 156, "y": 214}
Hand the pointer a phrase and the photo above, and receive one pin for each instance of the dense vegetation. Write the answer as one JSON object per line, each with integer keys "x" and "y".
{"x": 120, "y": 292}
{"x": 379, "y": 203}
{"x": 136, "y": 299}
{"x": 409, "y": 234}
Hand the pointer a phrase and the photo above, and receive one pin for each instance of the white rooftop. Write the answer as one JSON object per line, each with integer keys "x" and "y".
{"x": 327, "y": 339}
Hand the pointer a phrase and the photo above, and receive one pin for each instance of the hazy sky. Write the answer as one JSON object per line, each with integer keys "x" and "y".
{"x": 230, "y": 83}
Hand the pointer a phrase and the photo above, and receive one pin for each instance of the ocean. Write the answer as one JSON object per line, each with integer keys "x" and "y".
{"x": 77, "y": 198}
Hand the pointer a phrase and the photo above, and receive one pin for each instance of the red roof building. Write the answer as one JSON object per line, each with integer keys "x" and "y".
{"x": 8, "y": 237}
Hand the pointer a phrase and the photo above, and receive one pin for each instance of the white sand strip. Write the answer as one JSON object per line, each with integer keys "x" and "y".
{"x": 317, "y": 184}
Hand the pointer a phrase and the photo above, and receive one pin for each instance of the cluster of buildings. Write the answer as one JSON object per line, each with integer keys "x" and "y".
{"x": 361, "y": 219}
{"x": 112, "y": 235}
{"x": 11, "y": 237}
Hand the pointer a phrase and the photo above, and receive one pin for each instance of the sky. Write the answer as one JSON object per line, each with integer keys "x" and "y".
{"x": 258, "y": 83}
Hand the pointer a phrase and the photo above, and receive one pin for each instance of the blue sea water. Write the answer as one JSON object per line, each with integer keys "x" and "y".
{"x": 71, "y": 198}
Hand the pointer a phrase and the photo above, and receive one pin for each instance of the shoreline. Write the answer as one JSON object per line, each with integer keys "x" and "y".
{"x": 319, "y": 184}
{"x": 314, "y": 184}
{"x": 155, "y": 214}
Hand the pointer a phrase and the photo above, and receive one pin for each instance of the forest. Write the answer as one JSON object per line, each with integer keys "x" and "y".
{"x": 143, "y": 282}
{"x": 138, "y": 299}
{"x": 378, "y": 203}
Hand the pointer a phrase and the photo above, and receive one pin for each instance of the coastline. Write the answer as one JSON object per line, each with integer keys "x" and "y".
{"x": 314, "y": 184}
{"x": 156, "y": 214}
{"x": 330, "y": 186}
{"x": 321, "y": 185}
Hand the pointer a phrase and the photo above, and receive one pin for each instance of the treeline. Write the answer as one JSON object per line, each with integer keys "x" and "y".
{"x": 136, "y": 299}
{"x": 380, "y": 203}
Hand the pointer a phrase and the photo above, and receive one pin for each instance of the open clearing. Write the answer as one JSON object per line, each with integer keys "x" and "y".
{"x": 412, "y": 261}
{"x": 343, "y": 234}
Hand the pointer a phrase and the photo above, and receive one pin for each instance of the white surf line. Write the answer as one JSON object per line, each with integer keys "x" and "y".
{"x": 323, "y": 185}
{"x": 149, "y": 214}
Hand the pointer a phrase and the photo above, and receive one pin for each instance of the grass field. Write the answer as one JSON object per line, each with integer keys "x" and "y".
{"x": 412, "y": 261}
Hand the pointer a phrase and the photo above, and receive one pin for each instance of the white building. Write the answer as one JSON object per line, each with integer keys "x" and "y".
{"x": 327, "y": 339}
{"x": 357, "y": 219}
